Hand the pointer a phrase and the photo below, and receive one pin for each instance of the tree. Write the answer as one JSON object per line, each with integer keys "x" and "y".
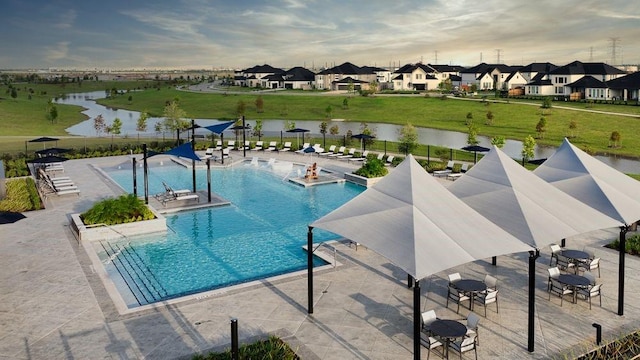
{"x": 14, "y": 93}
{"x": 469, "y": 120}
{"x": 573, "y": 126}
{"x": 614, "y": 139}
{"x": 141, "y": 125}
{"x": 408, "y": 139}
{"x": 323, "y": 130}
{"x": 257, "y": 129}
{"x": 259, "y": 104}
{"x": 174, "y": 117}
{"x": 328, "y": 111}
{"x": 546, "y": 102}
{"x": 364, "y": 129}
{"x": 130, "y": 99}
{"x": 345, "y": 103}
{"x": 498, "y": 141}
{"x": 541, "y": 127}
{"x": 52, "y": 112}
{"x": 472, "y": 135}
{"x": 528, "y": 148}
{"x": 241, "y": 107}
{"x": 158, "y": 129}
{"x": 489, "y": 118}
{"x": 289, "y": 125}
{"x": 114, "y": 129}
{"x": 351, "y": 87}
{"x": 334, "y": 130}
{"x": 373, "y": 87}
{"x": 98, "y": 124}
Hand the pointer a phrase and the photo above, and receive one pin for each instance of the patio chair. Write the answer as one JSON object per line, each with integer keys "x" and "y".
{"x": 208, "y": 153}
{"x": 231, "y": 145}
{"x": 591, "y": 292}
{"x": 447, "y": 170}
{"x": 564, "y": 263}
{"x": 362, "y": 157}
{"x": 332, "y": 149}
{"x": 272, "y": 146}
{"x": 559, "y": 289}
{"x": 590, "y": 276}
{"x": 555, "y": 250}
{"x": 453, "y": 278}
{"x": 491, "y": 282}
{"x": 430, "y": 343}
{"x": 389, "y": 161}
{"x": 554, "y": 272}
{"x": 225, "y": 152}
{"x": 259, "y": 145}
{"x": 286, "y": 146}
{"x": 488, "y": 298}
{"x": 427, "y": 318}
{"x": 176, "y": 195}
{"x": 380, "y": 156}
{"x": 472, "y": 326}
{"x": 457, "y": 296}
{"x": 247, "y": 145}
{"x": 594, "y": 264}
{"x": 218, "y": 145}
{"x": 465, "y": 344}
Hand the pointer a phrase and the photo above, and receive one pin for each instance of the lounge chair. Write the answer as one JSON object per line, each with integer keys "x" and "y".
{"x": 287, "y": 146}
{"x": 447, "y": 170}
{"x": 208, "y": 153}
{"x": 332, "y": 149}
{"x": 463, "y": 169}
{"x": 340, "y": 152}
{"x": 317, "y": 148}
{"x": 247, "y": 145}
{"x": 218, "y": 145}
{"x": 231, "y": 145}
{"x": 259, "y": 145}
{"x": 389, "y": 161}
{"x": 272, "y": 146}
{"x": 304, "y": 146}
{"x": 348, "y": 155}
{"x": 380, "y": 157}
{"x": 362, "y": 157}
{"x": 225, "y": 153}
{"x": 58, "y": 188}
{"x": 175, "y": 195}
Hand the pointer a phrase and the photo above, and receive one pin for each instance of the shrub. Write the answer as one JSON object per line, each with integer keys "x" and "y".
{"x": 631, "y": 245}
{"x": 22, "y": 195}
{"x": 372, "y": 168}
{"x": 123, "y": 209}
{"x": 273, "y": 348}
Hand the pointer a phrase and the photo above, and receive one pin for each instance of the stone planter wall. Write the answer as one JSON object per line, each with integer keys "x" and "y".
{"x": 361, "y": 180}
{"x": 94, "y": 233}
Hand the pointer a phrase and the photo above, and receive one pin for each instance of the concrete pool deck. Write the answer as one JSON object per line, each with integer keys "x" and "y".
{"x": 54, "y": 306}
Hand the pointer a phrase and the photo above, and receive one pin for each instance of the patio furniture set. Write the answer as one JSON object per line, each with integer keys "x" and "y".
{"x": 577, "y": 280}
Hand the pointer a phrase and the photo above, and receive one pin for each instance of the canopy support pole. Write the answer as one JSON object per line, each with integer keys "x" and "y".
{"x": 135, "y": 182}
{"x": 244, "y": 129}
{"x": 146, "y": 174}
{"x": 494, "y": 260}
{"x": 416, "y": 320}
{"x": 621, "y": 252}
{"x": 193, "y": 148}
{"x": 310, "y": 269}
{"x": 410, "y": 281}
{"x": 533, "y": 255}
{"x": 209, "y": 179}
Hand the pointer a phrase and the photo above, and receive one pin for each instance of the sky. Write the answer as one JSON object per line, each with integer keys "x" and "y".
{"x": 206, "y": 34}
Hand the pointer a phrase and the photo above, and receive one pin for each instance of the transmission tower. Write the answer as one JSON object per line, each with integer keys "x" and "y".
{"x": 591, "y": 54}
{"x": 614, "y": 45}
{"x": 435, "y": 52}
{"x": 498, "y": 56}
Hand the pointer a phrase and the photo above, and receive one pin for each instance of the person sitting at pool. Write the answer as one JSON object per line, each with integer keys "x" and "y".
{"x": 312, "y": 172}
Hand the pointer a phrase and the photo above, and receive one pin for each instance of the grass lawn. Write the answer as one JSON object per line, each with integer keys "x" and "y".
{"x": 512, "y": 120}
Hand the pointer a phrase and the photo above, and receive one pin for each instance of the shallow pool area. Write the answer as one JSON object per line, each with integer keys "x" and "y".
{"x": 260, "y": 235}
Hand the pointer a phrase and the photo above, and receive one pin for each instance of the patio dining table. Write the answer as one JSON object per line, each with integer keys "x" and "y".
{"x": 448, "y": 330}
{"x": 471, "y": 287}
{"x": 575, "y": 281}
{"x": 576, "y": 255}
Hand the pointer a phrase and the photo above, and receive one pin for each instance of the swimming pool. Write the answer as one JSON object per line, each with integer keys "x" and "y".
{"x": 259, "y": 235}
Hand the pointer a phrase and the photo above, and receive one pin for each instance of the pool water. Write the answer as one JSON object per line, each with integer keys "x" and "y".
{"x": 259, "y": 235}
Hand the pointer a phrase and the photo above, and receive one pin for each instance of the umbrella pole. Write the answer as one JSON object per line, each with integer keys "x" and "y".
{"x": 310, "y": 270}
{"x": 193, "y": 148}
{"x": 146, "y": 175}
{"x": 135, "y": 182}
{"x": 533, "y": 255}
{"x": 621, "y": 252}
{"x": 416, "y": 320}
{"x": 209, "y": 179}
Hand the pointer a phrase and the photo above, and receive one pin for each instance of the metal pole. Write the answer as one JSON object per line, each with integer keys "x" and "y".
{"x": 533, "y": 255}
{"x": 451, "y": 153}
{"x": 146, "y": 174}
{"x": 310, "y": 269}
{"x": 428, "y": 155}
{"x": 494, "y": 260}
{"x": 621, "y": 251}
{"x": 234, "y": 339}
{"x": 244, "y": 148}
{"x": 193, "y": 148}
{"x": 563, "y": 242}
{"x": 598, "y": 332}
{"x": 209, "y": 178}
{"x": 416, "y": 320}
{"x": 135, "y": 182}
{"x": 409, "y": 281}
{"x": 177, "y": 137}
{"x": 385, "y": 148}
{"x": 222, "y": 148}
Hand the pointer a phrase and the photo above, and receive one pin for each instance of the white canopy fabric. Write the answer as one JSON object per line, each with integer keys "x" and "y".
{"x": 592, "y": 182}
{"x": 411, "y": 219}
{"x": 523, "y": 204}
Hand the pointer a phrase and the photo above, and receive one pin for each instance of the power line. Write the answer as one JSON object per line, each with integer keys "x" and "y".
{"x": 614, "y": 45}
{"x": 498, "y": 56}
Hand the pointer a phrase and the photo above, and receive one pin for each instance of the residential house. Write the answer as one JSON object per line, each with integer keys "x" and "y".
{"x": 565, "y": 76}
{"x": 590, "y": 88}
{"x": 449, "y": 72}
{"x": 253, "y": 76}
{"x": 332, "y": 78}
{"x": 626, "y": 88}
{"x": 532, "y": 70}
{"x": 383, "y": 76}
{"x": 294, "y": 78}
{"x": 487, "y": 76}
{"x": 418, "y": 76}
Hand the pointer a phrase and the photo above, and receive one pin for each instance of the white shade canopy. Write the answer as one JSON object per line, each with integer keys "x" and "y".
{"x": 523, "y": 204}
{"x": 415, "y": 222}
{"x": 593, "y": 182}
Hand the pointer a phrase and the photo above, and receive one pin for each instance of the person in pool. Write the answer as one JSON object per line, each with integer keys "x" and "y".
{"x": 312, "y": 172}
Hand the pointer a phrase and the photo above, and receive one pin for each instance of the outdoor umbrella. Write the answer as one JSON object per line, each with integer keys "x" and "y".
{"x": 525, "y": 206}
{"x": 476, "y": 149}
{"x": 52, "y": 151}
{"x": 50, "y": 159}
{"x": 8, "y": 217}
{"x": 407, "y": 218}
{"x": 43, "y": 139}
{"x": 363, "y": 138}
{"x": 184, "y": 151}
{"x": 598, "y": 185}
{"x": 297, "y": 131}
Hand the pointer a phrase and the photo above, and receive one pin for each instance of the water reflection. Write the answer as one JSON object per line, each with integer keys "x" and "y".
{"x": 451, "y": 139}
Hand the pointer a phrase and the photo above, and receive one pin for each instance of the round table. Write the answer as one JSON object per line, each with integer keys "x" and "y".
{"x": 575, "y": 254}
{"x": 575, "y": 281}
{"x": 447, "y": 330}
{"x": 472, "y": 287}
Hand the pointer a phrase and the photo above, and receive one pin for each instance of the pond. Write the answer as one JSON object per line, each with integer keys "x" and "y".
{"x": 388, "y": 132}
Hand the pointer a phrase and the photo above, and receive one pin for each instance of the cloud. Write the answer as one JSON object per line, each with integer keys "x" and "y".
{"x": 66, "y": 19}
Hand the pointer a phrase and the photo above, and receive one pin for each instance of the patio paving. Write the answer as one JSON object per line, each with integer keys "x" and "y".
{"x": 53, "y": 305}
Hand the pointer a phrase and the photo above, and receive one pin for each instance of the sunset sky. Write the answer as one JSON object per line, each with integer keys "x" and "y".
{"x": 286, "y": 33}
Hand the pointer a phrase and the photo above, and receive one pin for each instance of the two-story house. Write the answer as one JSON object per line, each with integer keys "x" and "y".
{"x": 418, "y": 76}
{"x": 342, "y": 76}
{"x": 253, "y": 76}
{"x": 564, "y": 79}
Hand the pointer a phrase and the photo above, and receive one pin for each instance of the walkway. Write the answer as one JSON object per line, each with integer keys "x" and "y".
{"x": 54, "y": 306}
